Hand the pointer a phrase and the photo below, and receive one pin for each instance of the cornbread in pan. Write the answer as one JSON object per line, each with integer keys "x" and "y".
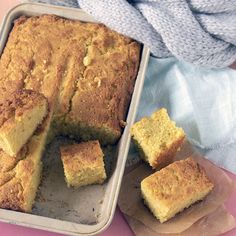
{"x": 157, "y": 138}
{"x": 20, "y": 115}
{"x": 86, "y": 72}
{"x": 83, "y": 164}
{"x": 175, "y": 187}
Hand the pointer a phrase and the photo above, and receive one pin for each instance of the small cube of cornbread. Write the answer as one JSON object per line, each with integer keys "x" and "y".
{"x": 83, "y": 164}
{"x": 175, "y": 187}
{"x": 157, "y": 138}
{"x": 20, "y": 115}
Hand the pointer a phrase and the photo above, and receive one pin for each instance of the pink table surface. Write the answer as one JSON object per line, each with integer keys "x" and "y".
{"x": 119, "y": 225}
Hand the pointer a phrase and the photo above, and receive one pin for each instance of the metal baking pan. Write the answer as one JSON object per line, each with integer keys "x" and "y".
{"x": 88, "y": 210}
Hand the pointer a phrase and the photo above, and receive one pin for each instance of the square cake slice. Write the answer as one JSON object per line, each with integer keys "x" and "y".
{"x": 20, "y": 115}
{"x": 174, "y": 188}
{"x": 83, "y": 164}
{"x": 157, "y": 138}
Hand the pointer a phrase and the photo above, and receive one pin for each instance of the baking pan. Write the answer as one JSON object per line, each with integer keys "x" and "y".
{"x": 88, "y": 210}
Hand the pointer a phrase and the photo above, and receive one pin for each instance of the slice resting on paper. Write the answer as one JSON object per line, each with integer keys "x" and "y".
{"x": 174, "y": 188}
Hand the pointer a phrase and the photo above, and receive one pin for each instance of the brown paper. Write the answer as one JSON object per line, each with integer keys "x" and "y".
{"x": 131, "y": 204}
{"x": 216, "y": 223}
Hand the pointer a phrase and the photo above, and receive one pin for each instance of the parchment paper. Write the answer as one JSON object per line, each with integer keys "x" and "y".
{"x": 216, "y": 223}
{"x": 131, "y": 204}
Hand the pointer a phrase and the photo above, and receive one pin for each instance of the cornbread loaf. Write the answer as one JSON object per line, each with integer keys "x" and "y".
{"x": 157, "y": 138}
{"x": 86, "y": 72}
{"x": 20, "y": 114}
{"x": 175, "y": 187}
{"x": 83, "y": 164}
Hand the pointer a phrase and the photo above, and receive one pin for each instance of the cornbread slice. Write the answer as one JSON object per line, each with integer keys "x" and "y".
{"x": 83, "y": 164}
{"x": 20, "y": 175}
{"x": 94, "y": 75}
{"x": 20, "y": 115}
{"x": 175, "y": 187}
{"x": 157, "y": 138}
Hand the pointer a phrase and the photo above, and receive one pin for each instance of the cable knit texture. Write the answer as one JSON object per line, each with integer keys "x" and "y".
{"x": 202, "y": 32}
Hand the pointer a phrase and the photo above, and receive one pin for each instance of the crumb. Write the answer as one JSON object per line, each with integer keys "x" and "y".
{"x": 123, "y": 123}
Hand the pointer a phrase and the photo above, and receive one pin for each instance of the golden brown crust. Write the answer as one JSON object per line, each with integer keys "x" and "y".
{"x": 179, "y": 184}
{"x": 15, "y": 104}
{"x": 77, "y": 156}
{"x": 187, "y": 175}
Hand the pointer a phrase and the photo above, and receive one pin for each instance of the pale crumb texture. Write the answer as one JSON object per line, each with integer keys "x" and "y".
{"x": 174, "y": 188}
{"x": 20, "y": 115}
{"x": 157, "y": 138}
{"x": 83, "y": 164}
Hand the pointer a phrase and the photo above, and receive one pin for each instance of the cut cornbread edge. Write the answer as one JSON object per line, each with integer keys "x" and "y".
{"x": 84, "y": 132}
{"x": 165, "y": 154}
{"x": 19, "y": 192}
{"x": 166, "y": 158}
{"x": 16, "y": 131}
{"x": 71, "y": 183}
